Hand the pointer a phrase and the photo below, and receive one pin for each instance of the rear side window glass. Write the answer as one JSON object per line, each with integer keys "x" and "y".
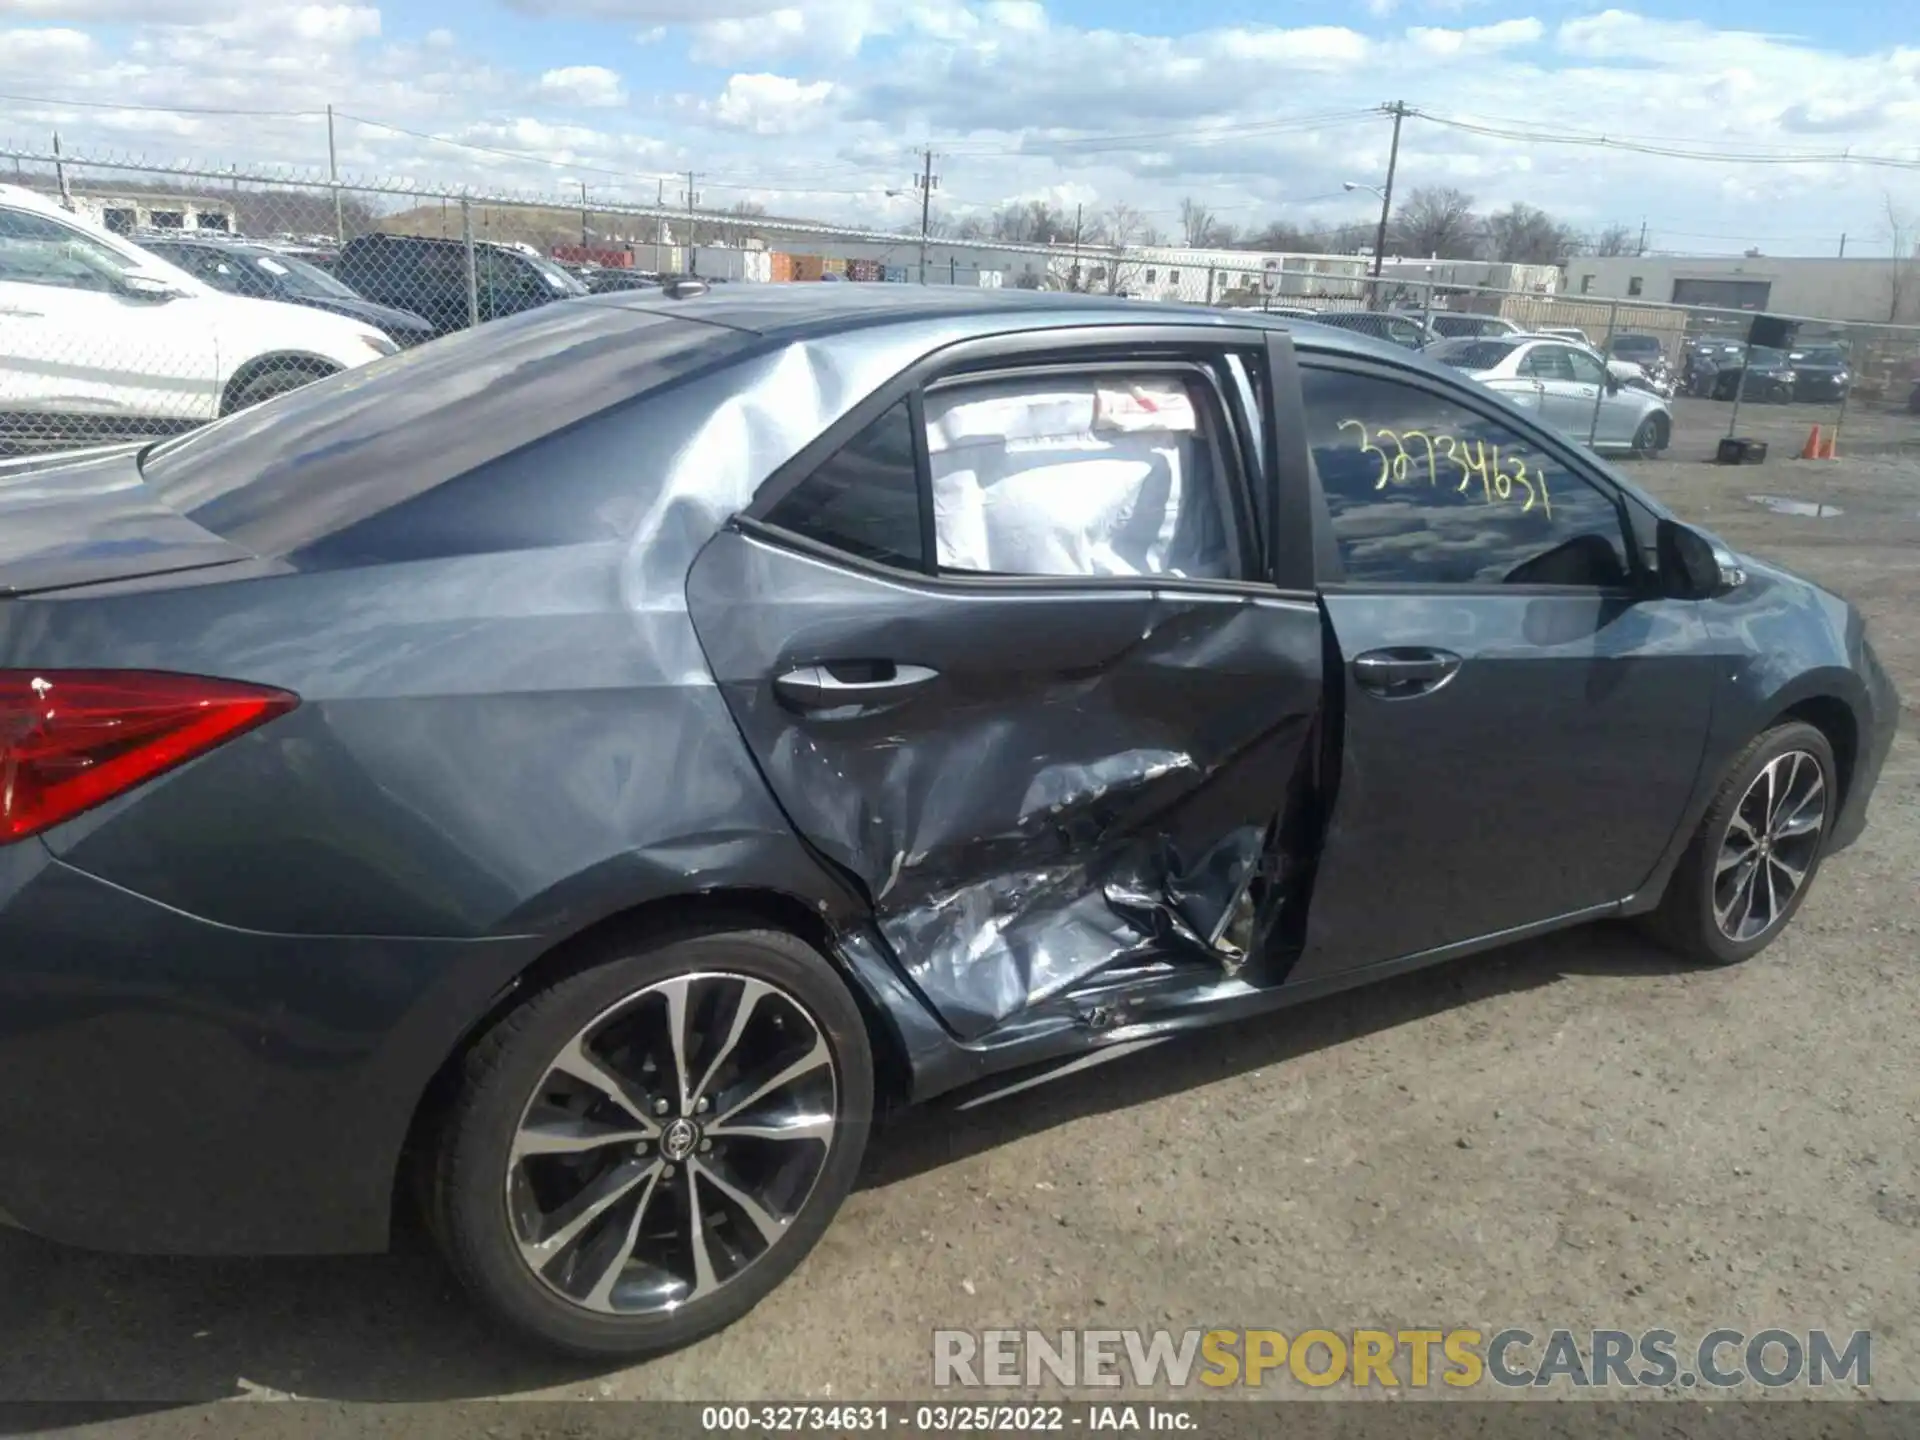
{"x": 865, "y": 500}
{"x": 1099, "y": 475}
{"x": 281, "y": 477}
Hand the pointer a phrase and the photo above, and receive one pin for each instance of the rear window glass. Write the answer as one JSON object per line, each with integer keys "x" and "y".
{"x": 1472, "y": 354}
{"x": 286, "y": 474}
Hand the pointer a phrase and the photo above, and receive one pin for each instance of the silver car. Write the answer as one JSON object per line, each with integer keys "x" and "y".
{"x": 1568, "y": 386}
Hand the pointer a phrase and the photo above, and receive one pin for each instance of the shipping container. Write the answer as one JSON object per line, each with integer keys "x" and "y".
{"x": 808, "y": 267}
{"x": 895, "y": 274}
{"x": 868, "y": 271}
{"x": 834, "y": 265}
{"x": 721, "y": 262}
{"x": 781, "y": 267}
{"x": 593, "y": 255}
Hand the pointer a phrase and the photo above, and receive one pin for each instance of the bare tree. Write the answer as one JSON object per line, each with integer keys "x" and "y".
{"x": 1436, "y": 220}
{"x": 1198, "y": 228}
{"x": 1903, "y": 275}
{"x": 738, "y": 227}
{"x": 972, "y": 228}
{"x": 1034, "y": 222}
{"x": 1122, "y": 228}
{"x": 1615, "y": 240}
{"x": 1524, "y": 235}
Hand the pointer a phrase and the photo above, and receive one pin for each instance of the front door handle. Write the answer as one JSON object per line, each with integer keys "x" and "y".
{"x": 859, "y": 683}
{"x": 1403, "y": 672}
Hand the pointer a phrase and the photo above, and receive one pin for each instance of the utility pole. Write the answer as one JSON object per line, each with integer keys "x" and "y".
{"x": 60, "y": 175}
{"x": 1073, "y": 282}
{"x": 1398, "y": 109}
{"x": 333, "y": 177}
{"x": 1843, "y": 245}
{"x": 926, "y": 180}
{"x": 693, "y": 199}
{"x": 1643, "y": 235}
{"x": 583, "y": 216}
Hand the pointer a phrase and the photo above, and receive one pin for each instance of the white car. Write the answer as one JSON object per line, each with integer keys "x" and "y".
{"x": 1564, "y": 384}
{"x": 101, "y": 340}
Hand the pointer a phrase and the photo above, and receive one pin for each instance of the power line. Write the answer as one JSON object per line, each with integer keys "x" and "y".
{"x": 1673, "y": 152}
{"x": 1225, "y": 130}
{"x": 165, "y": 109}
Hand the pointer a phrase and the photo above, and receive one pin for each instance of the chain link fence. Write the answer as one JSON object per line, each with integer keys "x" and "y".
{"x": 97, "y": 342}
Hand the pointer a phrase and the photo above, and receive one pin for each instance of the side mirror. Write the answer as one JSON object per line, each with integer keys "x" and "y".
{"x": 146, "y": 288}
{"x": 1692, "y": 567}
{"x": 1613, "y": 383}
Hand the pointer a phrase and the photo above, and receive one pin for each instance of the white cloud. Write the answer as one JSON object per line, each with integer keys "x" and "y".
{"x": 149, "y": 11}
{"x": 1017, "y": 14}
{"x": 588, "y": 85}
{"x": 29, "y": 52}
{"x": 808, "y": 114}
{"x": 1312, "y": 45}
{"x": 771, "y": 104}
{"x": 1478, "y": 40}
{"x": 820, "y": 29}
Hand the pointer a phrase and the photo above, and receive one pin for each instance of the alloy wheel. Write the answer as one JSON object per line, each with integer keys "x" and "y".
{"x": 1769, "y": 846}
{"x": 671, "y": 1143}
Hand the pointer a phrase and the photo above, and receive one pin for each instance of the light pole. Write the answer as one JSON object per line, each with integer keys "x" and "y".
{"x": 1380, "y": 238}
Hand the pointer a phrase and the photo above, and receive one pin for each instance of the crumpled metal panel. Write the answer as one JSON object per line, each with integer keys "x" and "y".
{"x": 1093, "y": 779}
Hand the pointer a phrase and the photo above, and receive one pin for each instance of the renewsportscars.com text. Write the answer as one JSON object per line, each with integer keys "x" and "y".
{"x": 1396, "y": 1359}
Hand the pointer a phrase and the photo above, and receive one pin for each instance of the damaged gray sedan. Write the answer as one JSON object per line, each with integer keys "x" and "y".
{"x": 569, "y": 776}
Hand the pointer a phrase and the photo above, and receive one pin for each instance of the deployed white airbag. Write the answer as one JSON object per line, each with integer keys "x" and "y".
{"x": 1102, "y": 476}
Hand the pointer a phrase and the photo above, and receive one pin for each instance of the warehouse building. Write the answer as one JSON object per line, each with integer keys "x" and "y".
{"x": 1865, "y": 290}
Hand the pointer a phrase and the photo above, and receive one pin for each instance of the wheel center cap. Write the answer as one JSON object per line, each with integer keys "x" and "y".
{"x": 679, "y": 1139}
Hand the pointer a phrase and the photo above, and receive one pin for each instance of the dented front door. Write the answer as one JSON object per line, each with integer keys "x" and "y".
{"x": 1034, "y": 778}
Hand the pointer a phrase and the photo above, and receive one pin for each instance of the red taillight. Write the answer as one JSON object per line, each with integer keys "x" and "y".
{"x": 70, "y": 739}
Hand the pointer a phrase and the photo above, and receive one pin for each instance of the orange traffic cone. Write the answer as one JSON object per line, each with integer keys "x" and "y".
{"x": 1829, "y": 452}
{"x": 1811, "y": 450}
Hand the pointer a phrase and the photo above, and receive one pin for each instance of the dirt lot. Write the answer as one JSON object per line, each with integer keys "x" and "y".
{"x": 1576, "y": 1132}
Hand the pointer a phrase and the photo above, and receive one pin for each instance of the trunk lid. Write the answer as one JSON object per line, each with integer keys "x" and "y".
{"x": 85, "y": 517}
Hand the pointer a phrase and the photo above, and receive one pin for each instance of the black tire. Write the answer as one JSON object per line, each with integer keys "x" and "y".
{"x": 1686, "y": 920}
{"x": 1652, "y": 436}
{"x": 474, "y": 1145}
{"x": 276, "y": 380}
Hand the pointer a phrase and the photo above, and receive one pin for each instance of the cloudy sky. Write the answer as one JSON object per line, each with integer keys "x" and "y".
{"x": 1260, "y": 107}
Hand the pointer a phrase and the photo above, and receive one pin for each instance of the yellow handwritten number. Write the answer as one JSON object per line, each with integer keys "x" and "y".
{"x": 1426, "y": 440}
{"x": 1371, "y": 449}
{"x": 1473, "y": 458}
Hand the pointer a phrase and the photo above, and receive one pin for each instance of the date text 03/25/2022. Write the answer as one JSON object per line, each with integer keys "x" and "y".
{"x": 964, "y": 1419}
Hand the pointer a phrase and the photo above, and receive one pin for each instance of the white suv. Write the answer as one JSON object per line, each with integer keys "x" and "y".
{"x": 101, "y": 340}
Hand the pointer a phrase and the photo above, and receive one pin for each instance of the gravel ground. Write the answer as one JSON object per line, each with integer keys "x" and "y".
{"x": 1574, "y": 1132}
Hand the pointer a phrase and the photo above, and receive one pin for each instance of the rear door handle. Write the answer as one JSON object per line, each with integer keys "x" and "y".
{"x": 1403, "y": 672}
{"x": 843, "y": 683}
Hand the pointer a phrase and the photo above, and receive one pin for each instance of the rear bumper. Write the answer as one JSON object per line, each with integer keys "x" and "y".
{"x": 169, "y": 1085}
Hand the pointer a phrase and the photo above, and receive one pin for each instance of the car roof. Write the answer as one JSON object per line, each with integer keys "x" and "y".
{"x": 207, "y": 242}
{"x": 800, "y": 309}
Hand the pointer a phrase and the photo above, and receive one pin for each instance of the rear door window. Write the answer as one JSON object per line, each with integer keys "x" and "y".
{"x": 1056, "y": 473}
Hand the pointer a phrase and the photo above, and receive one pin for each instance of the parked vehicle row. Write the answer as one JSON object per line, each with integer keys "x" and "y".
{"x": 105, "y": 336}
{"x": 1569, "y": 386}
{"x": 266, "y": 272}
{"x": 100, "y": 338}
{"x": 570, "y": 776}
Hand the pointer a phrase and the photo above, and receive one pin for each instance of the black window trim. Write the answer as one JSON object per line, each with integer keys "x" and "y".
{"x": 1485, "y": 405}
{"x": 1122, "y": 347}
